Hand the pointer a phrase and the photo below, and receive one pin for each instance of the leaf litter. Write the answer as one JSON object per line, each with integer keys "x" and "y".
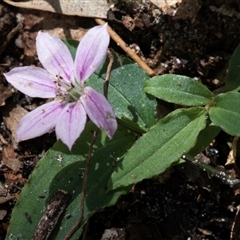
{"x": 185, "y": 201}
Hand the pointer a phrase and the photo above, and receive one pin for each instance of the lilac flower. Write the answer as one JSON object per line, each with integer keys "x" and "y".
{"x": 63, "y": 79}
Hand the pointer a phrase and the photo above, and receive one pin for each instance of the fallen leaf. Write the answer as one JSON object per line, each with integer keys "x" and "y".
{"x": 12, "y": 177}
{"x": 83, "y": 8}
{"x": 3, "y": 213}
{"x": 6, "y": 199}
{"x": 3, "y": 191}
{"x": 13, "y": 164}
{"x": 11, "y": 117}
{"x": 231, "y": 159}
{"x": 5, "y": 93}
{"x": 8, "y": 152}
{"x": 9, "y": 160}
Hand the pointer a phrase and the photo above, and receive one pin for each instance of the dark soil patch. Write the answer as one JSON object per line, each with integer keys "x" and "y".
{"x": 183, "y": 203}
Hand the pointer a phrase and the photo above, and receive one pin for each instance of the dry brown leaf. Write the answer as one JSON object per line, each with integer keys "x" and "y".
{"x": 5, "y": 93}
{"x": 60, "y": 26}
{"x": 10, "y": 161}
{"x": 3, "y": 213}
{"x": 3, "y": 191}
{"x": 13, "y": 164}
{"x": 3, "y": 141}
{"x": 233, "y": 152}
{"x": 8, "y": 152}
{"x": 6, "y": 199}
{"x": 11, "y": 119}
{"x": 12, "y": 177}
{"x": 76, "y": 34}
{"x": 83, "y": 8}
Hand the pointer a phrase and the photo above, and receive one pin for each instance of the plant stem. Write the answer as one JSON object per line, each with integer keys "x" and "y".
{"x": 85, "y": 174}
{"x": 225, "y": 177}
{"x": 84, "y": 188}
{"x": 108, "y": 73}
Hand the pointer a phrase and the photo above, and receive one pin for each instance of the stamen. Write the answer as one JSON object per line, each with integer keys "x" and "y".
{"x": 63, "y": 83}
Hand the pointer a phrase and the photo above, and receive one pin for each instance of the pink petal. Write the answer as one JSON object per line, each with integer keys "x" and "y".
{"x": 39, "y": 121}
{"x": 99, "y": 111}
{"x": 54, "y": 56}
{"x": 91, "y": 52}
{"x": 71, "y": 123}
{"x": 32, "y": 81}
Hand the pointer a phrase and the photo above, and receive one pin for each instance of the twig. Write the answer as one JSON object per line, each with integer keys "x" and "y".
{"x": 127, "y": 49}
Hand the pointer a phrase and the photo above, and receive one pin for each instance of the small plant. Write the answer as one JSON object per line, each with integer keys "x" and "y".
{"x": 141, "y": 148}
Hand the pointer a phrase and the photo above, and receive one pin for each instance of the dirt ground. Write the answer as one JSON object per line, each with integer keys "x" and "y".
{"x": 183, "y": 203}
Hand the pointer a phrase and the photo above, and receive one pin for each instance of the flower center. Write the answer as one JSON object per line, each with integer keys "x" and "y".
{"x": 69, "y": 92}
{"x": 76, "y": 91}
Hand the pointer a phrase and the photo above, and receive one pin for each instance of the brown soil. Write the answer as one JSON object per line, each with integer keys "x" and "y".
{"x": 183, "y": 203}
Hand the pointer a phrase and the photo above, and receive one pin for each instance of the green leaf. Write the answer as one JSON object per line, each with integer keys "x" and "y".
{"x": 233, "y": 76}
{"x": 72, "y": 46}
{"x": 126, "y": 93}
{"x": 205, "y": 137}
{"x": 226, "y": 112}
{"x": 178, "y": 89}
{"x": 160, "y": 148}
{"x": 61, "y": 169}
